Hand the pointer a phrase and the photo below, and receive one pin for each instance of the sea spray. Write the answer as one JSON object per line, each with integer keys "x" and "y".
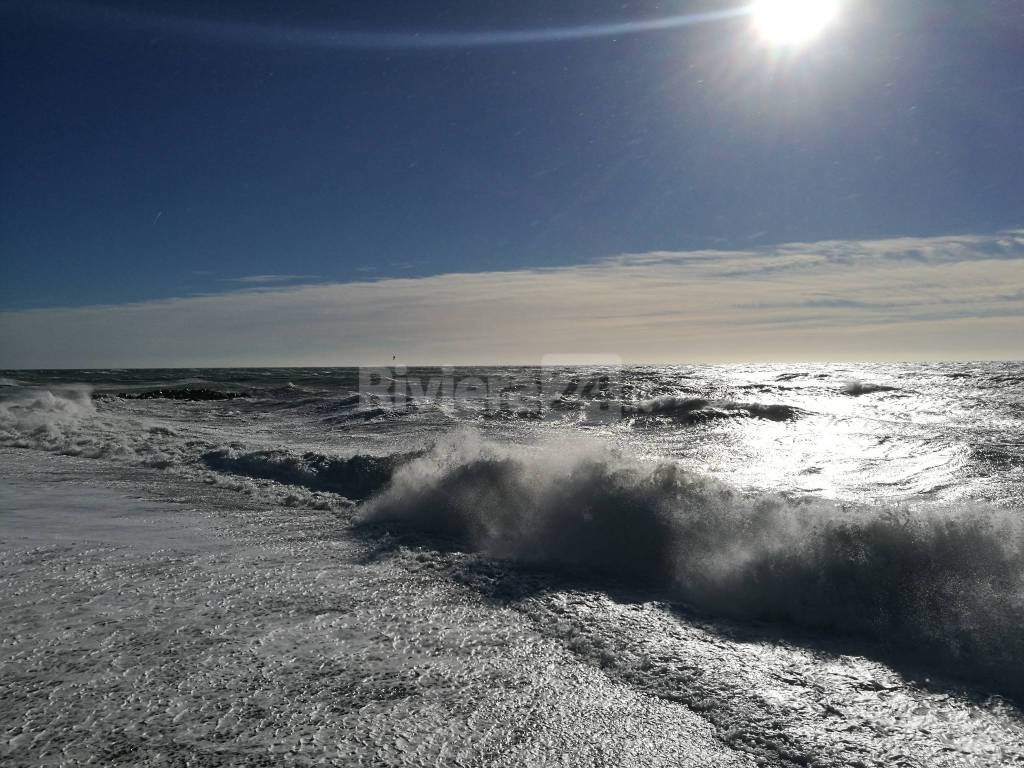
{"x": 44, "y": 418}
{"x": 945, "y": 582}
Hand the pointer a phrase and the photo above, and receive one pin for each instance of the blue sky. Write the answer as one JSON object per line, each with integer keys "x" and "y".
{"x": 164, "y": 150}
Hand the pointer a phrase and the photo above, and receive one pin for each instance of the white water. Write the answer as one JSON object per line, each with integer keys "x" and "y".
{"x": 307, "y": 576}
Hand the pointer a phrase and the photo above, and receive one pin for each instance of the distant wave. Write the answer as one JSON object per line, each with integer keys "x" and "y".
{"x": 6, "y": 382}
{"x": 858, "y": 388}
{"x": 195, "y": 394}
{"x": 697, "y": 409}
{"x": 944, "y": 584}
{"x": 370, "y": 413}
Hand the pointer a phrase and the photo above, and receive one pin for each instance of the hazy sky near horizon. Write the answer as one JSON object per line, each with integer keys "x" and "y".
{"x": 942, "y": 298}
{"x": 323, "y": 182}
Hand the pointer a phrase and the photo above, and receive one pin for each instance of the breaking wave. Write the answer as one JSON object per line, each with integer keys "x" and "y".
{"x": 944, "y": 584}
{"x": 67, "y": 421}
{"x": 43, "y": 418}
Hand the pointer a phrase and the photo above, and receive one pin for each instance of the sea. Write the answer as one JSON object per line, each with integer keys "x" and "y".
{"x": 775, "y": 565}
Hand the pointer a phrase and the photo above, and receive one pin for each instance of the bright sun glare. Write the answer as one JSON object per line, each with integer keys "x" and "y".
{"x": 792, "y": 22}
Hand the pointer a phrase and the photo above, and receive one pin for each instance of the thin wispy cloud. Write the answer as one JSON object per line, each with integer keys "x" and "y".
{"x": 269, "y": 279}
{"x": 910, "y": 298}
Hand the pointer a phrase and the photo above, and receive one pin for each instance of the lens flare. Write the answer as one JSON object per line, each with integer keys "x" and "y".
{"x": 340, "y": 38}
{"x": 793, "y": 22}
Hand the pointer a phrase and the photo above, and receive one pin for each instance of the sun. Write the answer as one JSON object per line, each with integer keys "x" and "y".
{"x": 793, "y": 22}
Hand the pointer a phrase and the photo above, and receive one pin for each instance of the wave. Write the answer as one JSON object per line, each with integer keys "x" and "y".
{"x": 183, "y": 393}
{"x": 944, "y": 584}
{"x": 38, "y": 418}
{"x": 355, "y": 478}
{"x": 692, "y": 409}
{"x": 67, "y": 421}
{"x": 6, "y": 382}
{"x": 858, "y": 388}
{"x": 371, "y": 413}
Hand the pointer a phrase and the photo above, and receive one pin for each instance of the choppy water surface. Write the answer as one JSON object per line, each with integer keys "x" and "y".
{"x": 821, "y": 564}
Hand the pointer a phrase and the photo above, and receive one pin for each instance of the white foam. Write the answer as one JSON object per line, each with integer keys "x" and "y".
{"x": 946, "y": 582}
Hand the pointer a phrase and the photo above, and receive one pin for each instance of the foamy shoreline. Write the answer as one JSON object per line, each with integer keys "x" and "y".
{"x": 200, "y": 625}
{"x": 151, "y": 633}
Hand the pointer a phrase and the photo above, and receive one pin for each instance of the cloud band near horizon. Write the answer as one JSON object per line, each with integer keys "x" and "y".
{"x": 948, "y": 298}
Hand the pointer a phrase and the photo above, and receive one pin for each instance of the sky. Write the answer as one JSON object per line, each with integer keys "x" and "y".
{"x": 330, "y": 183}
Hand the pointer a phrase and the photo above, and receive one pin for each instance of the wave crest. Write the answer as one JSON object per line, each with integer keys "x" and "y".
{"x": 858, "y": 388}
{"x": 42, "y": 418}
{"x": 355, "y": 478}
{"x": 943, "y": 583}
{"x": 694, "y": 409}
